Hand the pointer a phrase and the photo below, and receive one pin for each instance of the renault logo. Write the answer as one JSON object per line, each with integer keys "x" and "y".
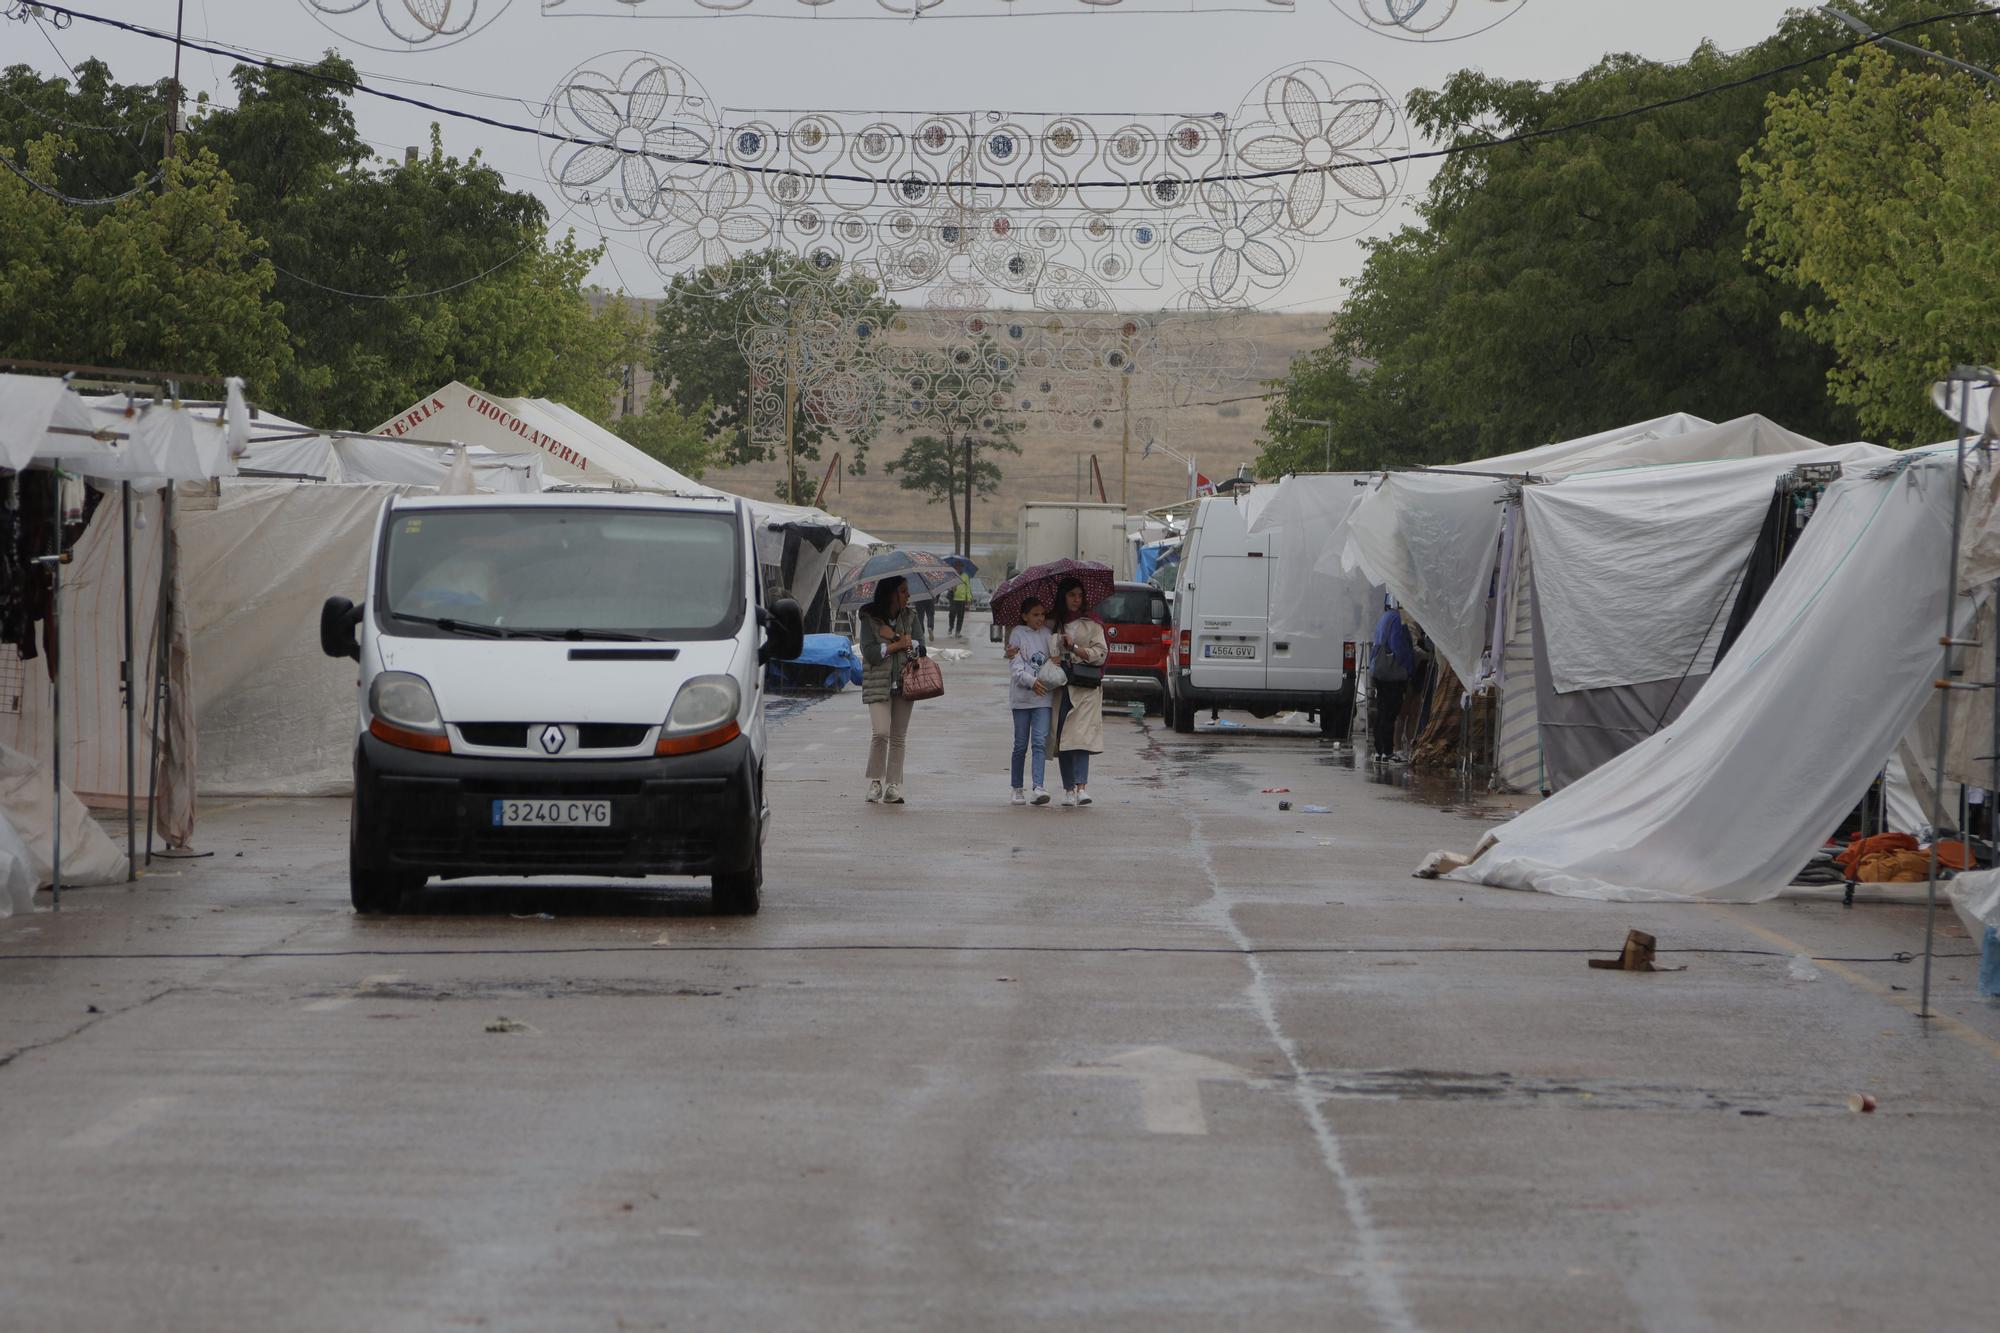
{"x": 552, "y": 738}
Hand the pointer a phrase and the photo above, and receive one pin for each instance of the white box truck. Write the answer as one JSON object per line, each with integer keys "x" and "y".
{"x": 1072, "y": 530}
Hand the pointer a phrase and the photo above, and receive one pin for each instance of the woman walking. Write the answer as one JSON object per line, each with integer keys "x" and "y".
{"x": 1079, "y": 720}
{"x": 891, "y": 633}
{"x": 1027, "y": 653}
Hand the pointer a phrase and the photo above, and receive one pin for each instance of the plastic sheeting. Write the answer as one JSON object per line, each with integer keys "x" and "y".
{"x": 1635, "y": 569}
{"x": 275, "y": 716}
{"x": 1311, "y": 593}
{"x": 1729, "y": 801}
{"x": 392, "y": 462}
{"x": 1431, "y": 539}
{"x": 27, "y": 850}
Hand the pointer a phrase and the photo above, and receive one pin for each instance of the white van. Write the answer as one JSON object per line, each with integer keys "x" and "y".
{"x": 560, "y": 684}
{"x": 1224, "y": 654}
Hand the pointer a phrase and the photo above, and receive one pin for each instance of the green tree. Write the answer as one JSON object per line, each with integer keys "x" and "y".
{"x": 662, "y": 430}
{"x": 164, "y": 279}
{"x": 1874, "y": 198}
{"x": 935, "y": 469}
{"x": 395, "y": 278}
{"x": 1570, "y": 283}
{"x": 961, "y": 397}
{"x": 699, "y": 329}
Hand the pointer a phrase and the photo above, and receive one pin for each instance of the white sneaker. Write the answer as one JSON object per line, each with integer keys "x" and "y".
{"x": 1082, "y": 796}
{"x": 1069, "y": 797}
{"x": 874, "y": 790}
{"x": 1041, "y": 797}
{"x": 892, "y": 795}
{"x": 1019, "y": 798}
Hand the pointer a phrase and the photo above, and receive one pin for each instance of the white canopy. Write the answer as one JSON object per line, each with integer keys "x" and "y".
{"x": 1432, "y": 538}
{"x": 1636, "y": 569}
{"x": 37, "y": 417}
{"x": 1307, "y": 517}
{"x": 367, "y": 460}
{"x": 575, "y": 450}
{"x": 1727, "y": 802}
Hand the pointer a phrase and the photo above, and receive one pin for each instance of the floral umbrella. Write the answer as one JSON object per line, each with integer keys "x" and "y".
{"x": 1040, "y": 582}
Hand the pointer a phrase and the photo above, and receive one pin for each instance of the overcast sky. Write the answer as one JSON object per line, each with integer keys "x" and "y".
{"x": 1102, "y": 60}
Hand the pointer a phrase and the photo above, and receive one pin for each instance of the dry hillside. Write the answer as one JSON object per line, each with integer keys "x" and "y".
{"x": 1054, "y": 464}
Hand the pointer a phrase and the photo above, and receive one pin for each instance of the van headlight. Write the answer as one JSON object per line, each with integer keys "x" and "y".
{"x": 403, "y": 712}
{"x": 703, "y": 716}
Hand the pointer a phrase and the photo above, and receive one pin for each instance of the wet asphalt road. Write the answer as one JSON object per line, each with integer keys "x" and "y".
{"x": 1180, "y": 1061}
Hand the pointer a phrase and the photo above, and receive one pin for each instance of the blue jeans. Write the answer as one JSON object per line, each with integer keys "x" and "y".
{"x": 1074, "y": 764}
{"x": 1031, "y": 727}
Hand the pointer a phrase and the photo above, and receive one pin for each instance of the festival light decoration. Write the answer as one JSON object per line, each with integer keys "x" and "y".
{"x": 408, "y": 24}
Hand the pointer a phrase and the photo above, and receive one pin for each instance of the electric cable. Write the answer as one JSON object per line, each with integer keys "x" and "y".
{"x": 1237, "y": 177}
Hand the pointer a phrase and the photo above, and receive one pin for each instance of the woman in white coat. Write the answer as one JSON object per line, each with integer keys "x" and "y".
{"x": 1079, "y": 719}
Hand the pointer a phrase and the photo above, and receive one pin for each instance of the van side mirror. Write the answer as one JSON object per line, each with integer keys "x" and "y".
{"x": 784, "y": 631}
{"x": 338, "y": 621}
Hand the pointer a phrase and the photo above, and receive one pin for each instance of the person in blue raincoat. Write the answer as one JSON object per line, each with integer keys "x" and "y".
{"x": 1393, "y": 667}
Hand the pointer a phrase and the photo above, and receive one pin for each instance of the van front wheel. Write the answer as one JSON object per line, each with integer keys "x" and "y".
{"x": 741, "y": 893}
{"x": 375, "y": 891}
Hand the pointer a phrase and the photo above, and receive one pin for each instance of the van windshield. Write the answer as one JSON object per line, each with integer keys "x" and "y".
{"x": 555, "y": 571}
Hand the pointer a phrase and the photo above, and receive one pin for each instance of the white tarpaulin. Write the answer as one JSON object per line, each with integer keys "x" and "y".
{"x": 1563, "y": 457}
{"x": 1636, "y": 569}
{"x": 356, "y": 460}
{"x": 37, "y": 414}
{"x": 27, "y": 835}
{"x": 1431, "y": 539}
{"x": 1727, "y": 802}
{"x": 275, "y": 715}
{"x": 1310, "y": 593}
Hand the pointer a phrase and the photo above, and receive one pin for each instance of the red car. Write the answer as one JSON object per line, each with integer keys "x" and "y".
{"x": 1140, "y": 629}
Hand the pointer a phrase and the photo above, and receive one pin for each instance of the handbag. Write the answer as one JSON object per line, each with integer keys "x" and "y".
{"x": 922, "y": 679}
{"x": 1086, "y": 675}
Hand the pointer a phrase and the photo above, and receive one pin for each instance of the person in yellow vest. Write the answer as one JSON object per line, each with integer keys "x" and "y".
{"x": 961, "y": 602}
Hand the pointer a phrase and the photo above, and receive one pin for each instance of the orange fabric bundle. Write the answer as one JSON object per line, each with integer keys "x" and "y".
{"x": 1954, "y": 855}
{"x": 1862, "y": 848}
{"x": 1902, "y": 866}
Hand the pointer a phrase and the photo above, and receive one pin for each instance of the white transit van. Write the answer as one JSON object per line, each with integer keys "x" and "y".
{"x": 560, "y": 684}
{"x": 1224, "y": 655}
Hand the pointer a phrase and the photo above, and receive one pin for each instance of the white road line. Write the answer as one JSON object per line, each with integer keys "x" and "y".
{"x": 345, "y": 998}
{"x": 121, "y": 1123}
{"x": 1376, "y": 1273}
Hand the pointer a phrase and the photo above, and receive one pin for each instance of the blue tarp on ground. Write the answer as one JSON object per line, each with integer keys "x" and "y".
{"x": 828, "y": 662}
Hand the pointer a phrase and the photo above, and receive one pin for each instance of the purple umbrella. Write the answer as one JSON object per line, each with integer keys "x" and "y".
{"x": 1040, "y": 582}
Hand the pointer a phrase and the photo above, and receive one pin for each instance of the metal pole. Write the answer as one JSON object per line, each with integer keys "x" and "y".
{"x": 791, "y": 405}
{"x": 53, "y": 643}
{"x": 1329, "y": 447}
{"x": 174, "y": 88}
{"x": 127, "y": 684}
{"x": 968, "y": 495}
{"x": 1125, "y": 448}
{"x": 162, "y": 639}
{"x": 1963, "y": 380}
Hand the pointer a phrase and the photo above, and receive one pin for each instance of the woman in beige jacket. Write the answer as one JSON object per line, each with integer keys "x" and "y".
{"x": 1079, "y": 720}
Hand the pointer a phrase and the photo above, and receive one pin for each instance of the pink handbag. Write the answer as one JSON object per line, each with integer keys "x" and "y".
{"x": 922, "y": 679}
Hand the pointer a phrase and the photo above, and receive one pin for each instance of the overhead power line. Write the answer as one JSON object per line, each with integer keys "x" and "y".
{"x": 1234, "y": 177}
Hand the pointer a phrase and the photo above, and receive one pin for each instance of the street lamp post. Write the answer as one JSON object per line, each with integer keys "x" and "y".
{"x": 1315, "y": 421}
{"x": 1152, "y": 445}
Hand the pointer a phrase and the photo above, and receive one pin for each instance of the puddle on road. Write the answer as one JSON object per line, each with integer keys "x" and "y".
{"x": 1500, "y": 1089}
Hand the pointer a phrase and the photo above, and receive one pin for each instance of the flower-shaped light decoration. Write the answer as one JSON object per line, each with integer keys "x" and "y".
{"x": 711, "y": 218}
{"x": 1430, "y": 20}
{"x": 631, "y": 140}
{"x": 1238, "y": 247}
{"x": 1332, "y": 139}
{"x": 412, "y": 22}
